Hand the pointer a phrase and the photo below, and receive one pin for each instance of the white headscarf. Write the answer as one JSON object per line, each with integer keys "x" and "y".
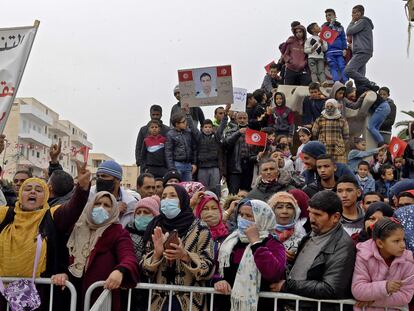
{"x": 86, "y": 234}
{"x": 336, "y": 114}
{"x": 245, "y": 292}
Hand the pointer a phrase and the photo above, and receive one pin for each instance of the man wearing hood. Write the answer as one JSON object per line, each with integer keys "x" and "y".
{"x": 295, "y": 58}
{"x": 360, "y": 29}
{"x": 271, "y": 180}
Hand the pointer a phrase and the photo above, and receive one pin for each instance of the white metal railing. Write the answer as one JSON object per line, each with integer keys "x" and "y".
{"x": 45, "y": 281}
{"x": 103, "y": 303}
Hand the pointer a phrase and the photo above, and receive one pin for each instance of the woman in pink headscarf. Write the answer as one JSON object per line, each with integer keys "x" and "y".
{"x": 210, "y": 211}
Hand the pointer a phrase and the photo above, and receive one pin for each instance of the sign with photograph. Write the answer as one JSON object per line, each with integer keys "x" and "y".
{"x": 208, "y": 86}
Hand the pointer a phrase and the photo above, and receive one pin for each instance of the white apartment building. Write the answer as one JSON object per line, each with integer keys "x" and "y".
{"x": 31, "y": 129}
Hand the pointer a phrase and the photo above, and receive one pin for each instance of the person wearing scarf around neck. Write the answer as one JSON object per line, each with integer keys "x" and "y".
{"x": 289, "y": 227}
{"x": 210, "y": 211}
{"x": 250, "y": 259}
{"x": 332, "y": 130}
{"x": 145, "y": 211}
{"x": 18, "y": 238}
{"x": 100, "y": 249}
{"x": 188, "y": 263}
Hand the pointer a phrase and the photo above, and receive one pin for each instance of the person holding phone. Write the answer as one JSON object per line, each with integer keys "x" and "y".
{"x": 179, "y": 251}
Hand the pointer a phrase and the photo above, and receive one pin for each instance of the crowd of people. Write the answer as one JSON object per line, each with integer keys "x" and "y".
{"x": 326, "y": 220}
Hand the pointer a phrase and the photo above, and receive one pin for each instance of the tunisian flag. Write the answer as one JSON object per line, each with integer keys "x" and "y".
{"x": 256, "y": 138}
{"x": 397, "y": 147}
{"x": 328, "y": 34}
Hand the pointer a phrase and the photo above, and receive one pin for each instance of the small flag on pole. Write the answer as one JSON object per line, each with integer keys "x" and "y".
{"x": 256, "y": 138}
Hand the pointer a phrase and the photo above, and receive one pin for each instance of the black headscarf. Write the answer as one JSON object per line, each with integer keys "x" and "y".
{"x": 386, "y": 210}
{"x": 181, "y": 222}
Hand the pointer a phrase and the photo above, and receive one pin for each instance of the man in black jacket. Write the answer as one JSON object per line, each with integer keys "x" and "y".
{"x": 325, "y": 259}
{"x": 239, "y": 156}
{"x": 196, "y": 113}
{"x": 155, "y": 114}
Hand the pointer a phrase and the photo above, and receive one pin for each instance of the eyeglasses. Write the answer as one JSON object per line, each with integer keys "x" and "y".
{"x": 184, "y": 121}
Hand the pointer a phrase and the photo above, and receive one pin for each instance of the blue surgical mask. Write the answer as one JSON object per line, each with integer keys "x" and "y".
{"x": 170, "y": 208}
{"x": 141, "y": 222}
{"x": 243, "y": 224}
{"x": 99, "y": 215}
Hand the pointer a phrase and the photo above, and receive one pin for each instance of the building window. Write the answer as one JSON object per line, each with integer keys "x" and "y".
{"x": 32, "y": 153}
{"x": 38, "y": 155}
{"x": 46, "y": 130}
{"x": 47, "y": 111}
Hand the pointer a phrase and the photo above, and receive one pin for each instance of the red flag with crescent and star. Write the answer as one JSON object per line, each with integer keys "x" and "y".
{"x": 185, "y": 75}
{"x": 223, "y": 71}
{"x": 256, "y": 138}
{"x": 397, "y": 147}
{"x": 328, "y": 34}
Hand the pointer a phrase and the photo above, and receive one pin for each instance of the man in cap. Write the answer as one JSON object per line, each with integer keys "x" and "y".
{"x": 108, "y": 178}
{"x": 196, "y": 113}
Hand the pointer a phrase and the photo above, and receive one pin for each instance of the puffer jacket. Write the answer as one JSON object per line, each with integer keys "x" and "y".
{"x": 361, "y": 32}
{"x": 180, "y": 146}
{"x": 263, "y": 191}
{"x": 371, "y": 274}
{"x": 208, "y": 146}
{"x": 330, "y": 275}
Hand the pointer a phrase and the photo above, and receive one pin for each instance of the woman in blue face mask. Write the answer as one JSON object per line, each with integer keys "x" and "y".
{"x": 100, "y": 249}
{"x": 145, "y": 211}
{"x": 250, "y": 259}
{"x": 186, "y": 261}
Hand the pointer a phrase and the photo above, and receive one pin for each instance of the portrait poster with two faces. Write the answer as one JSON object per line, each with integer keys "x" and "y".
{"x": 208, "y": 86}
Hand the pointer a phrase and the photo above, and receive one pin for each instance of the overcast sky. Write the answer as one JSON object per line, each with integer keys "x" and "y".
{"x": 102, "y": 64}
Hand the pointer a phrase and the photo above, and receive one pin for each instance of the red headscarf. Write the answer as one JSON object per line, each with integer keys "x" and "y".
{"x": 219, "y": 230}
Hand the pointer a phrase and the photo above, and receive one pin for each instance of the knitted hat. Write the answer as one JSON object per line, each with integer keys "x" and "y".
{"x": 150, "y": 203}
{"x": 110, "y": 168}
{"x": 170, "y": 175}
{"x": 314, "y": 149}
{"x": 401, "y": 186}
{"x": 176, "y": 89}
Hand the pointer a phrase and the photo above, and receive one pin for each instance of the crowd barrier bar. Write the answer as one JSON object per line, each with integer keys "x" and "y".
{"x": 103, "y": 303}
{"x": 46, "y": 281}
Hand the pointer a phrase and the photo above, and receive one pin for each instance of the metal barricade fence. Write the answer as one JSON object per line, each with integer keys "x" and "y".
{"x": 45, "y": 281}
{"x": 103, "y": 303}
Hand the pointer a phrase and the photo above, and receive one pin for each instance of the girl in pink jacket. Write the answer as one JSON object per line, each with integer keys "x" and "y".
{"x": 384, "y": 269}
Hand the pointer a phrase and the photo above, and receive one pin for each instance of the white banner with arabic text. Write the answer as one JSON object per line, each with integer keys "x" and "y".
{"x": 15, "y": 46}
